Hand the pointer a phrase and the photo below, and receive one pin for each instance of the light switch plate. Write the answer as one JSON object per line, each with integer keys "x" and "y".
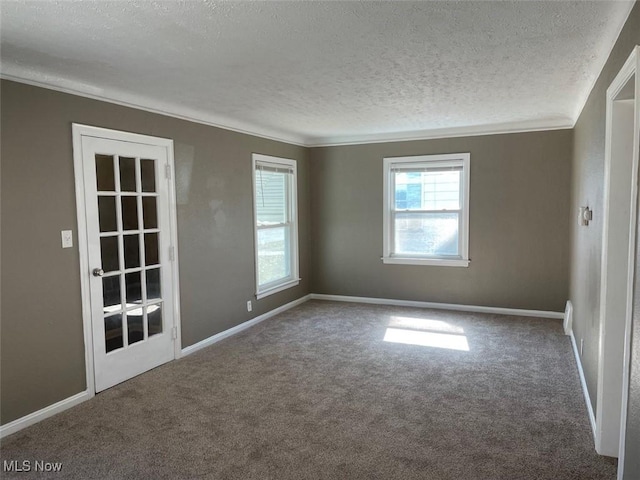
{"x": 67, "y": 238}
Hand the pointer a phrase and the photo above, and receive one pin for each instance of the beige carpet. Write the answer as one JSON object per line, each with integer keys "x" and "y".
{"x": 316, "y": 392}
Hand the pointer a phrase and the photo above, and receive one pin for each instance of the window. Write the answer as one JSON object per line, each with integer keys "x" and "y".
{"x": 426, "y": 210}
{"x": 276, "y": 224}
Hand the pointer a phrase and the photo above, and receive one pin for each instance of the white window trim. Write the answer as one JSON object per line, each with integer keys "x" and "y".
{"x": 294, "y": 278}
{"x": 387, "y": 256}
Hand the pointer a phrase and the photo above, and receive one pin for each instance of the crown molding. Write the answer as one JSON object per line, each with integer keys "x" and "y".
{"x": 148, "y": 105}
{"x": 37, "y": 79}
{"x": 471, "y": 131}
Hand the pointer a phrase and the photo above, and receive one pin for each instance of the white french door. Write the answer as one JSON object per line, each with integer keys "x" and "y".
{"x": 129, "y": 252}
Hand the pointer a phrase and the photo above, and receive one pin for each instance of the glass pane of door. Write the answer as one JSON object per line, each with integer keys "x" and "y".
{"x": 148, "y": 174}
{"x": 127, "y": 174}
{"x": 149, "y": 212}
{"x": 107, "y": 214}
{"x": 154, "y": 316}
{"x": 113, "y": 332}
{"x": 129, "y": 250}
{"x": 105, "y": 177}
{"x": 112, "y": 300}
{"x": 129, "y": 213}
{"x": 135, "y": 331}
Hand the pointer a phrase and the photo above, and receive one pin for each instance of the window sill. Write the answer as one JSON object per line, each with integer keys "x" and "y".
{"x": 439, "y": 262}
{"x": 277, "y": 288}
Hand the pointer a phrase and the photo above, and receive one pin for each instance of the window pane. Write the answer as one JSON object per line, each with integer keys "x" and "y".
{"x": 273, "y": 255}
{"x": 271, "y": 197}
{"x": 426, "y": 233}
{"x": 439, "y": 190}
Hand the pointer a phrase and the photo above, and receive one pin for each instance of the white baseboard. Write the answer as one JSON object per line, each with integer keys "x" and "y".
{"x": 243, "y": 326}
{"x": 46, "y": 412}
{"x": 567, "y": 324}
{"x": 440, "y": 306}
{"x": 583, "y": 382}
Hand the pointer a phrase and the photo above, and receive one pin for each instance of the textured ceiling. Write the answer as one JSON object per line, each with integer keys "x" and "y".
{"x": 322, "y": 72}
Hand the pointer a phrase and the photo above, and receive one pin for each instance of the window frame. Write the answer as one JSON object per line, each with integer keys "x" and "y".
{"x": 388, "y": 256}
{"x": 292, "y": 221}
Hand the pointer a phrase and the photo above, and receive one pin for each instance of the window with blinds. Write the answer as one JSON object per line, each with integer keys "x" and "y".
{"x": 276, "y": 233}
{"x": 426, "y": 213}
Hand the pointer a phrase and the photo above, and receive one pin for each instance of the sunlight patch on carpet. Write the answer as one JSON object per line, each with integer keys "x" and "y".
{"x": 427, "y": 339}
{"x": 424, "y": 324}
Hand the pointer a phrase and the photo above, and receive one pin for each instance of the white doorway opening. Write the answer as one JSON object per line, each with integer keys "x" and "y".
{"x": 618, "y": 256}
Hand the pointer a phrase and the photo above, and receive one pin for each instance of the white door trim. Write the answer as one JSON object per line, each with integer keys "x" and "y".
{"x": 79, "y": 131}
{"x": 611, "y": 403}
{"x": 632, "y": 62}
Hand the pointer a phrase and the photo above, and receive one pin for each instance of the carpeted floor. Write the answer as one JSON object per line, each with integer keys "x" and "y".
{"x": 316, "y": 392}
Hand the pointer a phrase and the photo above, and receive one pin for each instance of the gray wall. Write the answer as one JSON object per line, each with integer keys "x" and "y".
{"x": 518, "y": 237}
{"x": 587, "y": 189}
{"x": 41, "y": 330}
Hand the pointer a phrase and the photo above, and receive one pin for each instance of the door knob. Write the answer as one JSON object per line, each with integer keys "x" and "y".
{"x": 98, "y": 272}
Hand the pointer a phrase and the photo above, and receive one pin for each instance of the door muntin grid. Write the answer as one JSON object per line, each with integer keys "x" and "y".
{"x": 130, "y": 242}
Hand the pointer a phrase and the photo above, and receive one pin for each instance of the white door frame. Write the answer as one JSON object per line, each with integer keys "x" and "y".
{"x": 79, "y": 131}
{"x": 615, "y": 339}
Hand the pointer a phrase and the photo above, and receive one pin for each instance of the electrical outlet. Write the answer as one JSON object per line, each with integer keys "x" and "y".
{"x": 67, "y": 238}
{"x": 249, "y": 306}
{"x": 581, "y": 345}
